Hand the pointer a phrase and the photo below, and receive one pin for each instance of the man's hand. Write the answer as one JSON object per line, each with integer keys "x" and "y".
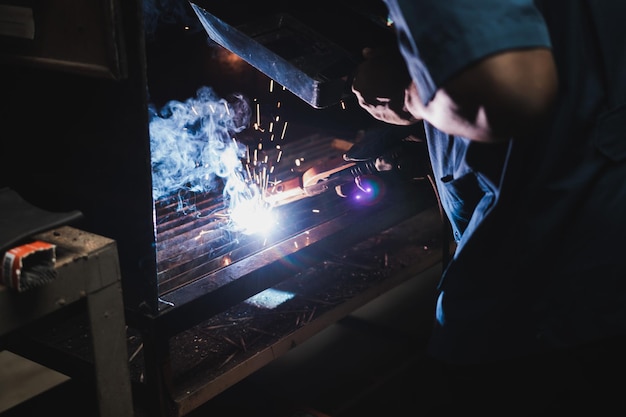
{"x": 393, "y": 148}
{"x": 380, "y": 84}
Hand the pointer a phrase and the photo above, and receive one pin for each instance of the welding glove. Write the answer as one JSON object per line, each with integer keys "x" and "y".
{"x": 390, "y": 148}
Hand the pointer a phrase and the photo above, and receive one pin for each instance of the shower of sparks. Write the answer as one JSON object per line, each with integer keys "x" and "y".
{"x": 194, "y": 149}
{"x": 262, "y": 157}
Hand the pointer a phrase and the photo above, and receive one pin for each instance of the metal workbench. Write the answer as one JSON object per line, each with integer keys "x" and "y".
{"x": 87, "y": 273}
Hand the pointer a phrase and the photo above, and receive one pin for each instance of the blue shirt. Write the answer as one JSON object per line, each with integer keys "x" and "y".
{"x": 540, "y": 261}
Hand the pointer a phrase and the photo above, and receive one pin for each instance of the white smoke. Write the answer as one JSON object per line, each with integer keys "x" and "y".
{"x": 194, "y": 148}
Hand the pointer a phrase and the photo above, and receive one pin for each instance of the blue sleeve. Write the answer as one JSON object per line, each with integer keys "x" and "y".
{"x": 439, "y": 38}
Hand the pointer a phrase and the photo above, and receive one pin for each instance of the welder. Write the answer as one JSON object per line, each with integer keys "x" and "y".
{"x": 524, "y": 109}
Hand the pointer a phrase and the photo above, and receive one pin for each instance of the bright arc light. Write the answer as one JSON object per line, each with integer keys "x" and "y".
{"x": 371, "y": 191}
{"x": 253, "y": 216}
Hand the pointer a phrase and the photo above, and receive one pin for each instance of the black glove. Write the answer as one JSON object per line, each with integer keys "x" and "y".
{"x": 392, "y": 147}
{"x": 387, "y": 151}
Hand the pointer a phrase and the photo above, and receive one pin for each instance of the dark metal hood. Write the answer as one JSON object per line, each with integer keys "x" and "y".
{"x": 311, "y": 66}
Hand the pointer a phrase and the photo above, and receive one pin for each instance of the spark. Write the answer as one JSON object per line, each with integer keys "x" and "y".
{"x": 282, "y": 135}
{"x": 202, "y": 233}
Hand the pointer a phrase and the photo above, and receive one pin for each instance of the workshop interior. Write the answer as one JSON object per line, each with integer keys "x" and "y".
{"x": 181, "y": 167}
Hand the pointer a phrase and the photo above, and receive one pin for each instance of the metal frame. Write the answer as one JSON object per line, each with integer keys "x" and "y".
{"x": 191, "y": 306}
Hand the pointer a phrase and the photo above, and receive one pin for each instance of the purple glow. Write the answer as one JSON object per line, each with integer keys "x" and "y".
{"x": 370, "y": 190}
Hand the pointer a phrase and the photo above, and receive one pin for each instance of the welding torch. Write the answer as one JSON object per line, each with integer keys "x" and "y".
{"x": 392, "y": 149}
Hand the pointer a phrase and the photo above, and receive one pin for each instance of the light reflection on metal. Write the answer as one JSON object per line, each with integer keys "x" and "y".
{"x": 269, "y": 299}
{"x": 169, "y": 303}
